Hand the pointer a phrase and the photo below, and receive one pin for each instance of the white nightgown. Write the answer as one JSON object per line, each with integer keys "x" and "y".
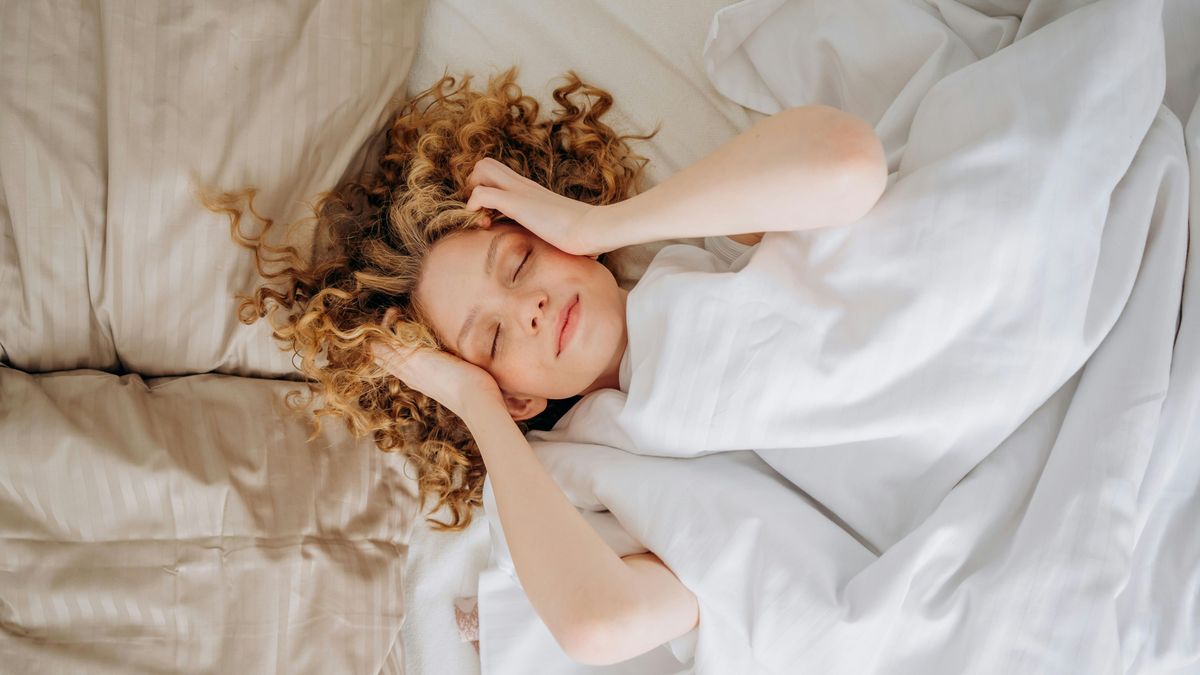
{"x": 507, "y": 620}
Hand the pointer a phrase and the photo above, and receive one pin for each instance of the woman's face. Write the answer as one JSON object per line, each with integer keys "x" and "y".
{"x": 499, "y": 299}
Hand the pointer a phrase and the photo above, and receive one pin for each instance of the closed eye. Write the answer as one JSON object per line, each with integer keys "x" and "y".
{"x": 518, "y": 270}
{"x": 496, "y": 337}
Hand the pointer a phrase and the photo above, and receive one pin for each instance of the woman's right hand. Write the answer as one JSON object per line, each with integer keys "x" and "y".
{"x": 442, "y": 376}
{"x": 565, "y": 223}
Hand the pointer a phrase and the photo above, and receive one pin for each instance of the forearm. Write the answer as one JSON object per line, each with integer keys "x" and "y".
{"x": 807, "y": 167}
{"x": 571, "y": 576}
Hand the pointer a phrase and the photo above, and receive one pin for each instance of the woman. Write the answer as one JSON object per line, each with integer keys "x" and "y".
{"x": 505, "y": 308}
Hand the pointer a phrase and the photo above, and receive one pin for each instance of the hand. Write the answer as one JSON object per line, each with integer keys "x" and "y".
{"x": 447, "y": 379}
{"x": 563, "y": 222}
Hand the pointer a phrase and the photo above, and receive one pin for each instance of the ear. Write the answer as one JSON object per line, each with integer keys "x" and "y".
{"x": 524, "y": 407}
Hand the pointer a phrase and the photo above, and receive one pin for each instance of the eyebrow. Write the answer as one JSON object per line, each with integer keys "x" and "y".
{"x": 488, "y": 265}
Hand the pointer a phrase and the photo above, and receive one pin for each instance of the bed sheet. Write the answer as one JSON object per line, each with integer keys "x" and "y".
{"x": 1158, "y": 605}
{"x": 442, "y": 575}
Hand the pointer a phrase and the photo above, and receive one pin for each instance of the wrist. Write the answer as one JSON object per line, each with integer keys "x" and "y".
{"x": 604, "y": 231}
{"x": 478, "y": 402}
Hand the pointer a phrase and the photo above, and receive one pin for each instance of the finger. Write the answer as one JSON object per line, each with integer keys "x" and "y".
{"x": 396, "y": 366}
{"x": 484, "y": 197}
{"x": 485, "y": 172}
{"x": 474, "y": 179}
{"x": 387, "y": 355}
{"x": 504, "y": 174}
{"x": 380, "y": 354}
{"x": 494, "y": 173}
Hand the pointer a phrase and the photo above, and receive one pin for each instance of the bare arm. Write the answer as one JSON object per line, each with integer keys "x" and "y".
{"x": 807, "y": 167}
{"x": 600, "y": 608}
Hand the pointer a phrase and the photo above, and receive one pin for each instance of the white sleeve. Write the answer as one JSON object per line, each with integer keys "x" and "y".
{"x": 725, "y": 248}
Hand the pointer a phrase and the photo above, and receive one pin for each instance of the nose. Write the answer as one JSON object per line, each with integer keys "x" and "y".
{"x": 533, "y": 312}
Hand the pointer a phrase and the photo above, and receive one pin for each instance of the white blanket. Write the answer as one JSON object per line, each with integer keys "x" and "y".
{"x": 933, "y": 427}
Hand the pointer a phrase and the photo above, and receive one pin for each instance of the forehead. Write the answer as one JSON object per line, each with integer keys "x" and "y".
{"x": 453, "y": 279}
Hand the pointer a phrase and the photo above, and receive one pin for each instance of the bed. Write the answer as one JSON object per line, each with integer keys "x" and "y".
{"x": 162, "y": 511}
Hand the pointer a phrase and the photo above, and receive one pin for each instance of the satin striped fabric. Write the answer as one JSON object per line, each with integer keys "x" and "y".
{"x": 110, "y": 112}
{"x": 184, "y": 525}
{"x": 181, "y": 524}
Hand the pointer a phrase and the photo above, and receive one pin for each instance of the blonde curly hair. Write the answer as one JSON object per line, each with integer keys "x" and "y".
{"x": 381, "y": 226}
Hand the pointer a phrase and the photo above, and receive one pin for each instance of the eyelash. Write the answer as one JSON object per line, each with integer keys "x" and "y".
{"x": 496, "y": 339}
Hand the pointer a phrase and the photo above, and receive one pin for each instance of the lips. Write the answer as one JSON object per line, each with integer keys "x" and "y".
{"x": 565, "y": 317}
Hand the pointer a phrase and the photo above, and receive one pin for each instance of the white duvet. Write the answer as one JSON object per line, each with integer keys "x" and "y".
{"x": 954, "y": 436}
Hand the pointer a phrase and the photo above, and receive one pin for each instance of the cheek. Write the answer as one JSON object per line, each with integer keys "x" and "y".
{"x": 517, "y": 370}
{"x": 567, "y": 265}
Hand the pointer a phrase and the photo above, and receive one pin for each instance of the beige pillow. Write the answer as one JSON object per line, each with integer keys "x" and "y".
{"x": 185, "y": 525}
{"x": 109, "y": 111}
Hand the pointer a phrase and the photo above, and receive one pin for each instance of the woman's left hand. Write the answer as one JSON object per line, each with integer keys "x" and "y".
{"x": 565, "y": 223}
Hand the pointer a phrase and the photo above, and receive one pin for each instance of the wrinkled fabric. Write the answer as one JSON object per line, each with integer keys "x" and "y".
{"x": 916, "y": 444}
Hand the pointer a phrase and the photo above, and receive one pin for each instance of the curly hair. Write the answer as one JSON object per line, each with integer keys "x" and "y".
{"x": 381, "y": 225}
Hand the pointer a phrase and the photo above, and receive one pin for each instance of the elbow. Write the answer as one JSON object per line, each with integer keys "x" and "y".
{"x": 646, "y": 613}
{"x": 595, "y": 642}
{"x": 852, "y": 156}
{"x": 590, "y": 643}
{"x": 869, "y": 173}
{"x": 863, "y": 168}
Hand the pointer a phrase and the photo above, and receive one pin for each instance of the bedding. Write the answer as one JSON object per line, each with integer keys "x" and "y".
{"x": 1001, "y": 483}
{"x": 441, "y": 582}
{"x": 154, "y": 519}
{"x": 160, "y": 509}
{"x": 114, "y": 113}
{"x": 111, "y": 114}
{"x": 185, "y": 525}
{"x": 979, "y": 283}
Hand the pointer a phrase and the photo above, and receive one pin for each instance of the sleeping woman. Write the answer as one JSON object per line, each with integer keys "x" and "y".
{"x": 465, "y": 297}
